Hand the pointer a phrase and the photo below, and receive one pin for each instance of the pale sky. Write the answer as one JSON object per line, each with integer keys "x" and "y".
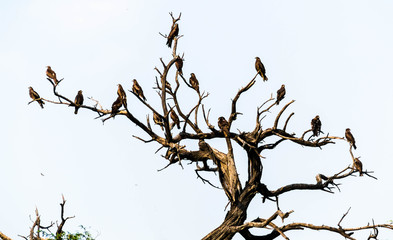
{"x": 334, "y": 57}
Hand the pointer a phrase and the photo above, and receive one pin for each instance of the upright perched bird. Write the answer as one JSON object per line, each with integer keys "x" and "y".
{"x": 316, "y": 126}
{"x": 116, "y": 105}
{"x": 194, "y": 82}
{"x": 52, "y": 75}
{"x": 175, "y": 118}
{"x": 224, "y": 126}
{"x": 78, "y": 101}
{"x": 260, "y": 68}
{"x": 349, "y": 137}
{"x": 280, "y": 94}
{"x": 122, "y": 94}
{"x": 174, "y": 32}
{"x": 137, "y": 89}
{"x": 36, "y": 97}
{"x": 358, "y": 166}
{"x": 179, "y": 64}
{"x": 158, "y": 120}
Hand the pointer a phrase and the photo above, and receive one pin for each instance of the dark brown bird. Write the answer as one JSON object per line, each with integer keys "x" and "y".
{"x": 260, "y": 68}
{"x": 179, "y": 65}
{"x": 175, "y": 118}
{"x": 78, "y": 101}
{"x": 158, "y": 120}
{"x": 194, "y": 82}
{"x": 122, "y": 94}
{"x": 36, "y": 97}
{"x": 116, "y": 105}
{"x": 203, "y": 146}
{"x": 349, "y": 137}
{"x": 224, "y": 126}
{"x": 358, "y": 166}
{"x": 280, "y": 94}
{"x": 137, "y": 89}
{"x": 51, "y": 74}
{"x": 316, "y": 126}
{"x": 174, "y": 32}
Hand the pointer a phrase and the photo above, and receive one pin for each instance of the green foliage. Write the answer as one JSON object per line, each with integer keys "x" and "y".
{"x": 82, "y": 234}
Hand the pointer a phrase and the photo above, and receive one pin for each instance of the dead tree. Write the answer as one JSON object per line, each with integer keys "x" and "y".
{"x": 40, "y": 232}
{"x": 196, "y": 125}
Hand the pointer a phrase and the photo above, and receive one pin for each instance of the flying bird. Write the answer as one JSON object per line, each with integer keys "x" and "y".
{"x": 260, "y": 68}
{"x": 51, "y": 74}
{"x": 349, "y": 137}
{"x": 224, "y": 126}
{"x": 358, "y": 166}
{"x": 137, "y": 89}
{"x": 36, "y": 97}
{"x": 316, "y": 126}
{"x": 78, "y": 101}
{"x": 179, "y": 64}
{"x": 194, "y": 82}
{"x": 122, "y": 94}
{"x": 174, "y": 32}
{"x": 158, "y": 120}
{"x": 175, "y": 118}
{"x": 280, "y": 94}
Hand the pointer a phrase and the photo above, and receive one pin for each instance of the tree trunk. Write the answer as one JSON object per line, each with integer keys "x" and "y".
{"x": 235, "y": 217}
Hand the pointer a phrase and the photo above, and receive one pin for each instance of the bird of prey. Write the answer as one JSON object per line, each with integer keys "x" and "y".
{"x": 316, "y": 126}
{"x": 174, "y": 32}
{"x": 194, "y": 82}
{"x": 52, "y": 75}
{"x": 137, "y": 89}
{"x": 116, "y": 105}
{"x": 224, "y": 126}
{"x": 358, "y": 166}
{"x": 349, "y": 137}
{"x": 158, "y": 120}
{"x": 122, "y": 94}
{"x": 280, "y": 94}
{"x": 175, "y": 118}
{"x": 36, "y": 97}
{"x": 78, "y": 101}
{"x": 260, "y": 68}
{"x": 179, "y": 65}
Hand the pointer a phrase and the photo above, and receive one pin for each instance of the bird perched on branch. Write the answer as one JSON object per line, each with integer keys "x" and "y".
{"x": 158, "y": 120}
{"x": 175, "y": 118}
{"x": 224, "y": 126}
{"x": 122, "y": 94}
{"x": 349, "y": 137}
{"x": 137, "y": 89}
{"x": 36, "y": 97}
{"x": 52, "y": 75}
{"x": 116, "y": 105}
{"x": 78, "y": 101}
{"x": 260, "y": 68}
{"x": 358, "y": 166}
{"x": 194, "y": 82}
{"x": 316, "y": 126}
{"x": 173, "y": 33}
{"x": 280, "y": 94}
{"x": 179, "y": 64}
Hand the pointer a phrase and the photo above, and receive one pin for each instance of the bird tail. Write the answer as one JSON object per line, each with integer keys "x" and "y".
{"x": 76, "y": 110}
{"x": 41, "y": 104}
{"x": 169, "y": 42}
{"x": 178, "y": 125}
{"x": 354, "y": 146}
{"x": 265, "y": 78}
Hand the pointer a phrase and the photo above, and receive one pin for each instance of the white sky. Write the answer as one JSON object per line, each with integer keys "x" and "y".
{"x": 334, "y": 57}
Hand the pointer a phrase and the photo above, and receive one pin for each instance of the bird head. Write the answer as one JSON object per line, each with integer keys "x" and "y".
{"x": 348, "y": 129}
{"x": 283, "y": 85}
{"x": 257, "y": 58}
{"x": 80, "y": 92}
{"x": 317, "y": 117}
